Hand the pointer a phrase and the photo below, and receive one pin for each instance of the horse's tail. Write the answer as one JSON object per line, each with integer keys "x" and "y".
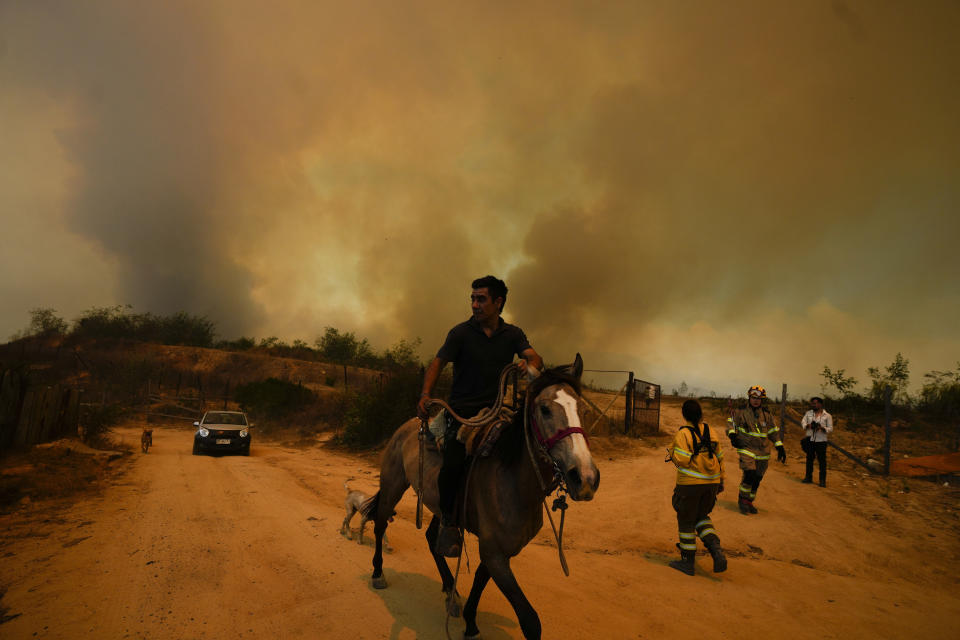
{"x": 369, "y": 507}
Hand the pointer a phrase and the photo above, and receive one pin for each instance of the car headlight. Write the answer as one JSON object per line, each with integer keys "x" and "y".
{"x": 204, "y": 432}
{"x": 244, "y": 433}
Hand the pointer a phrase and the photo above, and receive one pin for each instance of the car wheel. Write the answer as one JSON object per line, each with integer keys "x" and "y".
{"x": 196, "y": 448}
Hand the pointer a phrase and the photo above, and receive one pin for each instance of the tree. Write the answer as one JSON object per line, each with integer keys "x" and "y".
{"x": 344, "y": 348}
{"x": 683, "y": 388}
{"x": 45, "y": 322}
{"x": 836, "y": 379}
{"x": 896, "y": 375}
{"x": 402, "y": 355}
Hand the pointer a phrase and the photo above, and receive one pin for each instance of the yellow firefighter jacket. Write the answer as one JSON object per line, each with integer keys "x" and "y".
{"x": 753, "y": 433}
{"x": 694, "y": 463}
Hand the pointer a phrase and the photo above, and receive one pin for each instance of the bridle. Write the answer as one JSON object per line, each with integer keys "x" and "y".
{"x": 558, "y": 482}
{"x": 547, "y": 444}
{"x": 539, "y": 446}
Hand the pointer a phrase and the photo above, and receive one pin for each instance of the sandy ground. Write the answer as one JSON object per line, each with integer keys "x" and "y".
{"x": 184, "y": 546}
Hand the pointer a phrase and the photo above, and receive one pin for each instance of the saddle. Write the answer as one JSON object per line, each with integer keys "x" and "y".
{"x": 478, "y": 440}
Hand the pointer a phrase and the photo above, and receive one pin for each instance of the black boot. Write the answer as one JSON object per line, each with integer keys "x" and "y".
{"x": 719, "y": 560}
{"x": 807, "y": 480}
{"x": 746, "y": 506}
{"x": 448, "y": 539}
{"x": 685, "y": 563}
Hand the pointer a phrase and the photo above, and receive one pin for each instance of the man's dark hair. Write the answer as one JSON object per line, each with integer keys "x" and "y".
{"x": 817, "y": 399}
{"x": 692, "y": 412}
{"x": 496, "y": 287}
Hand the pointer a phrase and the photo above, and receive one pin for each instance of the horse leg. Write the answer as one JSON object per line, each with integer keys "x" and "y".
{"x": 480, "y": 579}
{"x": 383, "y": 509}
{"x": 499, "y": 567}
{"x": 453, "y": 603}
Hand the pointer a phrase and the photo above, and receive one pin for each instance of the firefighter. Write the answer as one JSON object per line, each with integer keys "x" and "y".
{"x": 699, "y": 463}
{"x": 751, "y": 429}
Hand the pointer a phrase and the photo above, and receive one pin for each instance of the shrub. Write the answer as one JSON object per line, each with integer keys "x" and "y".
{"x": 96, "y": 420}
{"x": 181, "y": 328}
{"x": 941, "y": 393}
{"x": 373, "y": 416}
{"x": 243, "y": 343}
{"x": 273, "y": 397}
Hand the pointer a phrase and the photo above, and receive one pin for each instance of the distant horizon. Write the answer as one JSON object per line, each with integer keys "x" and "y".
{"x": 795, "y": 389}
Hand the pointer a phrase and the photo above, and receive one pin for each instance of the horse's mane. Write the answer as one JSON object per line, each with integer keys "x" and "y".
{"x": 557, "y": 375}
{"x": 510, "y": 444}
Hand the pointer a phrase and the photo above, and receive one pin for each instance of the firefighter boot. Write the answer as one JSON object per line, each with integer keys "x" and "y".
{"x": 719, "y": 560}
{"x": 744, "y": 506}
{"x": 685, "y": 563}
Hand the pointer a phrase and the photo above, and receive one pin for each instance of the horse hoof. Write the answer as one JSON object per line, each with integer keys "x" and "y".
{"x": 379, "y": 583}
{"x": 454, "y": 606}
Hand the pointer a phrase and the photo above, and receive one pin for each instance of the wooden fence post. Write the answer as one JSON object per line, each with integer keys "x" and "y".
{"x": 887, "y": 393}
{"x": 628, "y": 405}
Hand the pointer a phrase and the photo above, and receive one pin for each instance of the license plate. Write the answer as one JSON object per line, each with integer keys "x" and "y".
{"x": 223, "y": 440}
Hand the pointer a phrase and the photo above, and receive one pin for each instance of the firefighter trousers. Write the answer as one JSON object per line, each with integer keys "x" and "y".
{"x": 693, "y": 504}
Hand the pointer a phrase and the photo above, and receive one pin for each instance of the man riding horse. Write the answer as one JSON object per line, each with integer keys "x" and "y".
{"x": 479, "y": 349}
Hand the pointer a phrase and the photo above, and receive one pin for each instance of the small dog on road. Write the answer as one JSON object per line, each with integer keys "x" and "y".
{"x": 146, "y": 439}
{"x": 353, "y": 502}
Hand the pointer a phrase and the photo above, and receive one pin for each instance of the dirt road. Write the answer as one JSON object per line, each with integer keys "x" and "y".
{"x": 186, "y": 546}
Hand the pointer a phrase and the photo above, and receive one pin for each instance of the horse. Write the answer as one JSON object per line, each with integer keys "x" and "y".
{"x": 543, "y": 447}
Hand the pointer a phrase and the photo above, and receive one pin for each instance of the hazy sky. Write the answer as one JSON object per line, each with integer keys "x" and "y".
{"x": 722, "y": 193}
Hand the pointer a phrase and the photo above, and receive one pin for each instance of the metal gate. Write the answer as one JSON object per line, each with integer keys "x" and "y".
{"x": 644, "y": 407}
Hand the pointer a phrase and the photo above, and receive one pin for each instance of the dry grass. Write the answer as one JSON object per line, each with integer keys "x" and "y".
{"x": 62, "y": 469}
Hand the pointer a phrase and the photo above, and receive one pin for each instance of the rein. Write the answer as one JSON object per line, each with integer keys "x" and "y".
{"x": 486, "y": 416}
{"x": 557, "y": 482}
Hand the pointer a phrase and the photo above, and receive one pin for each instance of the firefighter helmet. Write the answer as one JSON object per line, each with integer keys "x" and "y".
{"x": 757, "y": 391}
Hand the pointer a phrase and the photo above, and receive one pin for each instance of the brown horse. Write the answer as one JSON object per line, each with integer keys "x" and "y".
{"x": 544, "y": 446}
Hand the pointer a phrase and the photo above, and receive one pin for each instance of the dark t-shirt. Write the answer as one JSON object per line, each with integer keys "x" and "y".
{"x": 477, "y": 362}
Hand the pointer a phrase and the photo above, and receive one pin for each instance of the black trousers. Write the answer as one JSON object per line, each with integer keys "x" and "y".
{"x": 818, "y": 449}
{"x": 451, "y": 471}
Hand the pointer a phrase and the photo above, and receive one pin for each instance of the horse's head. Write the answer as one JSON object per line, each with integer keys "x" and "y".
{"x": 555, "y": 422}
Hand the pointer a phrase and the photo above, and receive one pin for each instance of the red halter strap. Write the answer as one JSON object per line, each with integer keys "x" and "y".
{"x": 549, "y": 443}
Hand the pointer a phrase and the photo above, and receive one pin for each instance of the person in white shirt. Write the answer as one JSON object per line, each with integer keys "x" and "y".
{"x": 819, "y": 425}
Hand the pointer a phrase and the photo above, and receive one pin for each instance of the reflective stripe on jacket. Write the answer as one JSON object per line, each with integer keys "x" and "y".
{"x": 754, "y": 432}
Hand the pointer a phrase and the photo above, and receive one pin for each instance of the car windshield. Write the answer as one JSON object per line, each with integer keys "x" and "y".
{"x": 224, "y": 418}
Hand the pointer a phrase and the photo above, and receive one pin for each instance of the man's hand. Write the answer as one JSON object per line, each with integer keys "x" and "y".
{"x": 734, "y": 439}
{"x": 422, "y": 412}
{"x": 720, "y": 489}
{"x": 781, "y": 454}
{"x": 525, "y": 367}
